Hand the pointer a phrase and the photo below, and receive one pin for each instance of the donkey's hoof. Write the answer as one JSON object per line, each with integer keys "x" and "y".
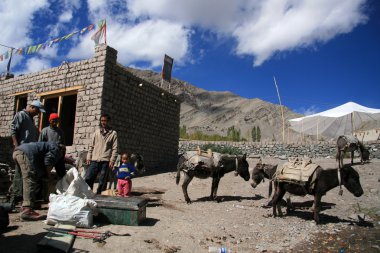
{"x": 188, "y": 201}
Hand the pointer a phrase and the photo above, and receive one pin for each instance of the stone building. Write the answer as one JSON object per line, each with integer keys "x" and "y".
{"x": 145, "y": 116}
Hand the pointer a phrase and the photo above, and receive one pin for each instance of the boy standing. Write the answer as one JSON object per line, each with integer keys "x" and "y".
{"x": 102, "y": 153}
{"x": 124, "y": 174}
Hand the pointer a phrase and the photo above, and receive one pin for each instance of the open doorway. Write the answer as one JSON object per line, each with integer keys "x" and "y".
{"x": 65, "y": 105}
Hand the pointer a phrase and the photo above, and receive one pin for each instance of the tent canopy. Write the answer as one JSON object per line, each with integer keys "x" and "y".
{"x": 344, "y": 119}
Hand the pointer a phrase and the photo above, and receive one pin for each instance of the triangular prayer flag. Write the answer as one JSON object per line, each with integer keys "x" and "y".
{"x": 1, "y": 57}
{"x": 38, "y": 47}
{"x": 100, "y": 33}
{"x": 6, "y": 55}
{"x": 90, "y": 27}
{"x": 34, "y": 49}
{"x": 83, "y": 30}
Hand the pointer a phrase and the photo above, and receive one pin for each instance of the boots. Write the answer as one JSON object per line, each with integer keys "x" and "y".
{"x": 28, "y": 214}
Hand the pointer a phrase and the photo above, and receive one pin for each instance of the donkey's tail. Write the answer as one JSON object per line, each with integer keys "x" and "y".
{"x": 178, "y": 177}
{"x": 270, "y": 188}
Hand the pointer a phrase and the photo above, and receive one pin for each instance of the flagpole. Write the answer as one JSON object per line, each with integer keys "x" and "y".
{"x": 105, "y": 31}
{"x": 282, "y": 111}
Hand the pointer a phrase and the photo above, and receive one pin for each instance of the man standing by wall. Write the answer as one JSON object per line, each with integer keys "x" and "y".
{"x": 23, "y": 130}
{"x": 102, "y": 153}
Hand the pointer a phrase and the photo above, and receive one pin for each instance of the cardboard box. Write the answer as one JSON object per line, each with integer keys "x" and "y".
{"x": 120, "y": 211}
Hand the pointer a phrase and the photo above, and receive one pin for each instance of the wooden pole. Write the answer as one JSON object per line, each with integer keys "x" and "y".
{"x": 105, "y": 31}
{"x": 282, "y": 111}
{"x": 317, "y": 128}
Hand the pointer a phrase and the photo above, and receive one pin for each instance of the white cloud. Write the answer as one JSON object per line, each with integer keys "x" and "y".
{"x": 35, "y": 64}
{"x": 49, "y": 52}
{"x": 308, "y": 111}
{"x": 279, "y": 26}
{"x": 261, "y": 28}
{"x": 149, "y": 41}
{"x": 146, "y": 41}
{"x": 222, "y": 15}
{"x": 15, "y": 20}
{"x": 66, "y": 16}
{"x": 85, "y": 48}
{"x": 145, "y": 30}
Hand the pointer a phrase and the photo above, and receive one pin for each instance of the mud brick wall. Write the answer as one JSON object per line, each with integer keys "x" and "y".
{"x": 146, "y": 121}
{"x": 145, "y": 116}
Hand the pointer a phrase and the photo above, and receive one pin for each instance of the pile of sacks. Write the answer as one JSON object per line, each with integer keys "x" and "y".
{"x": 73, "y": 204}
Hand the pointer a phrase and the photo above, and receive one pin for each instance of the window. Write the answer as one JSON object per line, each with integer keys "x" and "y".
{"x": 65, "y": 105}
{"x": 21, "y": 102}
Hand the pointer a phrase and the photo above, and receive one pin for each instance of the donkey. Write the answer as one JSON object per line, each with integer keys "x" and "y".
{"x": 225, "y": 165}
{"x": 268, "y": 171}
{"x": 325, "y": 180}
{"x": 350, "y": 143}
{"x": 262, "y": 171}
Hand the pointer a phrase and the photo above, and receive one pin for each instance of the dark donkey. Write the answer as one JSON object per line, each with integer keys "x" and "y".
{"x": 225, "y": 165}
{"x": 262, "y": 171}
{"x": 268, "y": 171}
{"x": 325, "y": 181}
{"x": 350, "y": 143}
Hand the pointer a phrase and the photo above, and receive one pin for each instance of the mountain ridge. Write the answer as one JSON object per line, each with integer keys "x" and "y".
{"x": 213, "y": 112}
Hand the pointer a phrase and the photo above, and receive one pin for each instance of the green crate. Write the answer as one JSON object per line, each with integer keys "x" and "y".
{"x": 121, "y": 211}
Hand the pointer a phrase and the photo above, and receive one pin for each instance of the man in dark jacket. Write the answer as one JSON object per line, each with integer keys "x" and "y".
{"x": 36, "y": 159}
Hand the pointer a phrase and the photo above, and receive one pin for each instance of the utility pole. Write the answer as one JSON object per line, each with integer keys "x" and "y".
{"x": 282, "y": 111}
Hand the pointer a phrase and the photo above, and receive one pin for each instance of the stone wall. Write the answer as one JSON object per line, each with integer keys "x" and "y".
{"x": 145, "y": 116}
{"x": 147, "y": 122}
{"x": 321, "y": 149}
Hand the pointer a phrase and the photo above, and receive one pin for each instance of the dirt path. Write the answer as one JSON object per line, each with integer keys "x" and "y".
{"x": 238, "y": 222}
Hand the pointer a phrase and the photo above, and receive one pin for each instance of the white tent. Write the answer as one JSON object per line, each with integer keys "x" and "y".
{"x": 344, "y": 119}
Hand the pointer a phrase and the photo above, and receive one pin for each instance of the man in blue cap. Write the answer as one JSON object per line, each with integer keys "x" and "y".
{"x": 35, "y": 160}
{"x": 23, "y": 130}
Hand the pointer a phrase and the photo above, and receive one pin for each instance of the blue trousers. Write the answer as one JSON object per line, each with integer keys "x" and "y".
{"x": 93, "y": 171}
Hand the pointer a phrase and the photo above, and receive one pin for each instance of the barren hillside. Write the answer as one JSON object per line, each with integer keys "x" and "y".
{"x": 214, "y": 112}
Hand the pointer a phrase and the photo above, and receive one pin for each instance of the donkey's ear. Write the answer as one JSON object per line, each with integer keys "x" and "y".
{"x": 244, "y": 157}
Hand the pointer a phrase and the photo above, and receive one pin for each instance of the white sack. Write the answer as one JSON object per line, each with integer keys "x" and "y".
{"x": 70, "y": 210}
{"x": 72, "y": 184}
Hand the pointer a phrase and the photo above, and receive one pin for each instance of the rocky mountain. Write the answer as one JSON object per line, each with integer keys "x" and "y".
{"x": 214, "y": 112}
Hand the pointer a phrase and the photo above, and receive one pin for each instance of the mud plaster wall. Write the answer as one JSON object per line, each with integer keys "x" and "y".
{"x": 147, "y": 122}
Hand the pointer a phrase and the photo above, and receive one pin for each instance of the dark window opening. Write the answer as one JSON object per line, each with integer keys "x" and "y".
{"x": 21, "y": 102}
{"x": 65, "y": 105}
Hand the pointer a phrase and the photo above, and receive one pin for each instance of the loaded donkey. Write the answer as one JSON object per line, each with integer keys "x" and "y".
{"x": 268, "y": 171}
{"x": 303, "y": 177}
{"x": 211, "y": 164}
{"x": 350, "y": 143}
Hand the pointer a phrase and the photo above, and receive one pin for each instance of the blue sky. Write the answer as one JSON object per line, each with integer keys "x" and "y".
{"x": 323, "y": 53}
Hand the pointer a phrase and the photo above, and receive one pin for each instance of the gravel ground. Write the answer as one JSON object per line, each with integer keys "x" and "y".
{"x": 238, "y": 222}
